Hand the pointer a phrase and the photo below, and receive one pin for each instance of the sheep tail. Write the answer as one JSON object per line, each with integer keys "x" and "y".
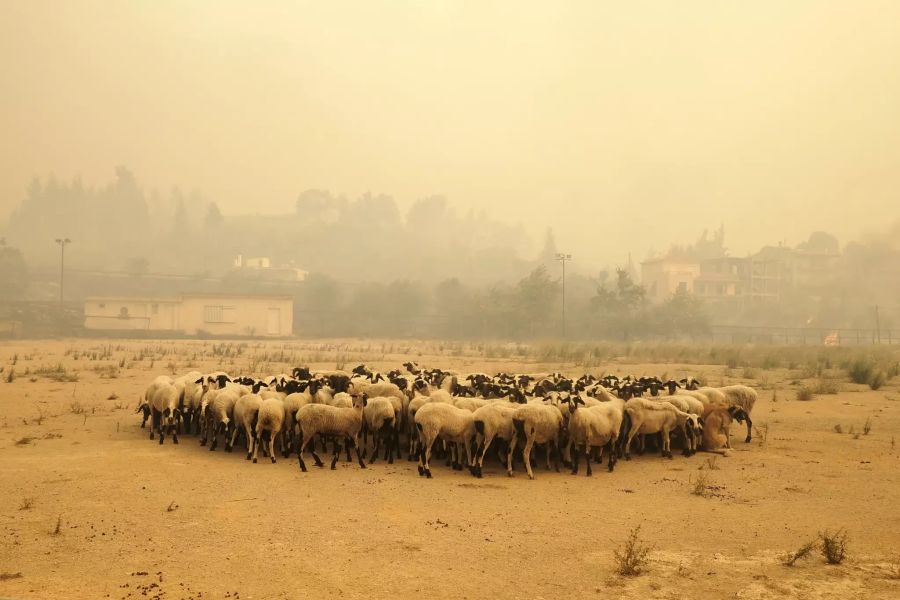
{"x": 479, "y": 427}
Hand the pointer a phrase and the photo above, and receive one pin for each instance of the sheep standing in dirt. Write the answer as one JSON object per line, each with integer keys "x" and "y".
{"x": 381, "y": 419}
{"x": 594, "y": 427}
{"x": 651, "y": 416}
{"x": 315, "y": 419}
{"x": 269, "y": 423}
{"x": 494, "y": 421}
{"x": 452, "y": 424}
{"x": 536, "y": 424}
{"x": 219, "y": 415}
{"x": 245, "y": 412}
{"x": 743, "y": 397}
{"x": 164, "y": 410}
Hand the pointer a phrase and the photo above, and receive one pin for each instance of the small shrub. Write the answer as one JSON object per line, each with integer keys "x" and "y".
{"x": 826, "y": 386}
{"x": 700, "y": 486}
{"x": 877, "y": 380}
{"x": 5, "y": 575}
{"x": 834, "y": 545}
{"x": 27, "y": 504}
{"x": 633, "y": 557}
{"x": 712, "y": 463}
{"x": 804, "y": 394}
{"x": 838, "y": 428}
{"x": 11, "y": 376}
{"x": 867, "y": 426}
{"x": 76, "y": 408}
{"x": 861, "y": 370}
{"x": 803, "y": 551}
{"x": 749, "y": 373}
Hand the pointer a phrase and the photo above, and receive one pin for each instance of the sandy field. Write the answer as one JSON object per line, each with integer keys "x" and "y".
{"x": 91, "y": 508}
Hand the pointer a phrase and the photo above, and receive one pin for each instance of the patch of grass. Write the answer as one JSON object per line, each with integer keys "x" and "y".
{"x": 877, "y": 380}
{"x": 11, "y": 376}
{"x": 834, "y": 545}
{"x": 838, "y": 428}
{"x": 58, "y": 527}
{"x": 712, "y": 463}
{"x": 24, "y": 440}
{"x": 7, "y": 575}
{"x": 826, "y": 386}
{"x": 749, "y": 373}
{"x": 803, "y": 551}
{"x": 867, "y": 426}
{"x": 27, "y": 503}
{"x": 805, "y": 394}
{"x": 76, "y": 408}
{"x": 700, "y": 486}
{"x": 633, "y": 556}
{"x": 861, "y": 370}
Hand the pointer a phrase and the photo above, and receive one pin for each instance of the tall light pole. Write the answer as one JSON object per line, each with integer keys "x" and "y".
{"x": 62, "y": 265}
{"x": 563, "y": 258}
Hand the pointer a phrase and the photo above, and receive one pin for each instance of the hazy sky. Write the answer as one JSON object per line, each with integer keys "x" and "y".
{"x": 623, "y": 125}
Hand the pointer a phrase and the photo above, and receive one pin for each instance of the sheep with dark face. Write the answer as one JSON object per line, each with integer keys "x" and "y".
{"x": 494, "y": 421}
{"x": 594, "y": 427}
{"x": 381, "y": 417}
{"x": 219, "y": 414}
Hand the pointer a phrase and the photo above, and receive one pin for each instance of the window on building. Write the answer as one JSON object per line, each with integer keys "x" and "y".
{"x": 218, "y": 314}
{"x": 682, "y": 287}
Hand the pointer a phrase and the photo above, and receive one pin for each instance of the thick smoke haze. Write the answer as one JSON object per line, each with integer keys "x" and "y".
{"x": 624, "y": 126}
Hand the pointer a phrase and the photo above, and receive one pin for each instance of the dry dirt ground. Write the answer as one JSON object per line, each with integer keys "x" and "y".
{"x": 91, "y": 508}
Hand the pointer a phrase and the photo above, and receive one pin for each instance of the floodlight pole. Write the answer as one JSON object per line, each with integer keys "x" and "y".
{"x": 563, "y": 258}
{"x": 62, "y": 266}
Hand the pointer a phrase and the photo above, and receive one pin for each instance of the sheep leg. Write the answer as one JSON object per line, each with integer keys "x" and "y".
{"x": 272, "y": 447}
{"x": 152, "y": 421}
{"x": 666, "y": 443}
{"x": 347, "y": 448}
{"x": 587, "y": 458}
{"x": 575, "y": 460}
{"x": 359, "y": 458}
{"x": 548, "y": 455}
{"x": 749, "y": 429}
{"x": 229, "y": 444}
{"x": 485, "y": 444}
{"x": 425, "y": 456}
{"x": 301, "y": 446}
{"x": 509, "y": 455}
{"x": 611, "y": 461}
{"x": 631, "y": 434}
{"x": 337, "y": 452}
{"x": 215, "y": 437}
{"x": 526, "y": 455}
{"x": 555, "y": 456}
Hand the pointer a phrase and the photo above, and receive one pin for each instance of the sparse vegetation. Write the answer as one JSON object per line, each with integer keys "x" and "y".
{"x": 76, "y": 408}
{"x": 805, "y": 394}
{"x": 11, "y": 376}
{"x": 5, "y": 575}
{"x": 867, "y": 426}
{"x": 826, "y": 386}
{"x": 26, "y": 504}
{"x": 633, "y": 557}
{"x": 790, "y": 559}
{"x": 700, "y": 485}
{"x": 838, "y": 428}
{"x": 834, "y": 545}
{"x": 58, "y": 528}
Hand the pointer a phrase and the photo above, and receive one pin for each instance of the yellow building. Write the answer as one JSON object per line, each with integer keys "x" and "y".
{"x": 193, "y": 314}
{"x": 662, "y": 277}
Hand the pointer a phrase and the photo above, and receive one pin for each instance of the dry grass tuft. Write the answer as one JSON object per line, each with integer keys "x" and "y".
{"x": 834, "y": 545}
{"x": 803, "y": 551}
{"x": 633, "y": 556}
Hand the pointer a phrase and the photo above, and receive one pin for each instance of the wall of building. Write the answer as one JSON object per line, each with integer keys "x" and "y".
{"x": 215, "y": 315}
{"x": 662, "y": 278}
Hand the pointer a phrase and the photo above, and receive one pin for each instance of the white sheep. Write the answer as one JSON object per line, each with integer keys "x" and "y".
{"x": 537, "y": 424}
{"x": 269, "y": 423}
{"x": 381, "y": 418}
{"x": 245, "y": 412}
{"x": 494, "y": 421}
{"x": 453, "y": 425}
{"x": 652, "y": 416}
{"x": 219, "y": 414}
{"x": 164, "y": 410}
{"x": 594, "y": 427}
{"x": 329, "y": 420}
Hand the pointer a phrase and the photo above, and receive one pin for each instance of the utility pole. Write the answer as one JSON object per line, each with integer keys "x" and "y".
{"x": 877, "y": 326}
{"x": 62, "y": 266}
{"x": 563, "y": 258}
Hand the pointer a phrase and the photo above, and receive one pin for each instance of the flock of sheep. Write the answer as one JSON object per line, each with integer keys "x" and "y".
{"x": 473, "y": 415}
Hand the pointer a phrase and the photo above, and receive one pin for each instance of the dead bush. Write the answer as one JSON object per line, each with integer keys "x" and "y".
{"x": 803, "y": 551}
{"x": 633, "y": 556}
{"x": 834, "y": 545}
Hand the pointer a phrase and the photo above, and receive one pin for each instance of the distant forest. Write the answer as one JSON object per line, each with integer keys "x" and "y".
{"x": 374, "y": 271}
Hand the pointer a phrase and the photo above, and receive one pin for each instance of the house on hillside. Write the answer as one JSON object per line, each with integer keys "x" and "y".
{"x": 224, "y": 315}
